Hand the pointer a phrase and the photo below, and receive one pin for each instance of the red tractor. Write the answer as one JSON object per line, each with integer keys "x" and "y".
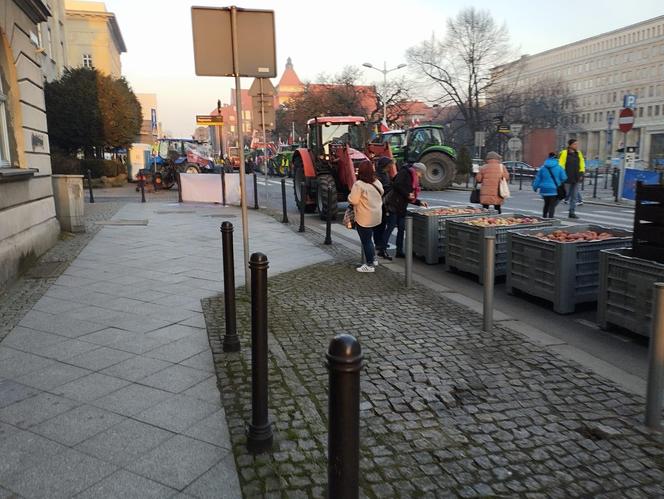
{"x": 335, "y": 146}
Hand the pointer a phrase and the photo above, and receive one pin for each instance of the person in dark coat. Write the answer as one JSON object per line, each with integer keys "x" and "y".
{"x": 403, "y": 191}
{"x": 383, "y": 166}
{"x": 572, "y": 161}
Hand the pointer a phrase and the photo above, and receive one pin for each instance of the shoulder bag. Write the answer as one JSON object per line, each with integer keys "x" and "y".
{"x": 475, "y": 194}
{"x": 560, "y": 189}
{"x": 503, "y": 188}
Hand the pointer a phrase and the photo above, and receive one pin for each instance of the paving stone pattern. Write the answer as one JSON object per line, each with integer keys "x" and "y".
{"x": 20, "y": 297}
{"x": 446, "y": 410}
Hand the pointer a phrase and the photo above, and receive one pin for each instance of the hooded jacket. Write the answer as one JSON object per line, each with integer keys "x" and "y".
{"x": 544, "y": 180}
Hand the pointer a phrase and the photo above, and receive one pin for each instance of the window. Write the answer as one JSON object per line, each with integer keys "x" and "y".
{"x": 87, "y": 60}
{"x": 4, "y": 136}
{"x": 656, "y": 113}
{"x": 49, "y": 42}
{"x": 649, "y": 110}
{"x": 640, "y": 112}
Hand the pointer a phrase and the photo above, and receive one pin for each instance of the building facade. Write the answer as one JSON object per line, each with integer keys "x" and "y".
{"x": 600, "y": 71}
{"x": 93, "y": 37}
{"x": 28, "y": 225}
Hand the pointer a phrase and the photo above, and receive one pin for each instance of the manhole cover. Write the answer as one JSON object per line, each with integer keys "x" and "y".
{"x": 219, "y": 215}
{"x": 45, "y": 270}
{"x": 122, "y": 222}
{"x": 174, "y": 212}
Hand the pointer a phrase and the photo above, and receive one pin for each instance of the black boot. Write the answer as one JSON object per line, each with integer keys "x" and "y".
{"x": 383, "y": 254}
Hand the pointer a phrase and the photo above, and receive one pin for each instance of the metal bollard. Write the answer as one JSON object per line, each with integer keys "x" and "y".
{"x": 344, "y": 362}
{"x": 179, "y": 184}
{"x": 467, "y": 180}
{"x": 143, "y": 188}
{"x": 655, "y": 390}
{"x": 284, "y": 218}
{"x": 231, "y": 341}
{"x": 328, "y": 218}
{"x": 606, "y": 178}
{"x": 521, "y": 177}
{"x": 595, "y": 183}
{"x": 489, "y": 271}
{"x": 255, "y": 191}
{"x": 409, "y": 251}
{"x": 259, "y": 433}
{"x": 301, "y": 229}
{"x": 223, "y": 187}
{"x": 616, "y": 183}
{"x": 583, "y": 183}
{"x": 92, "y": 198}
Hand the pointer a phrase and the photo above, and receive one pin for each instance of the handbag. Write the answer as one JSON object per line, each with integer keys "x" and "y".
{"x": 561, "y": 193}
{"x": 503, "y": 188}
{"x": 475, "y": 195}
{"x": 349, "y": 217}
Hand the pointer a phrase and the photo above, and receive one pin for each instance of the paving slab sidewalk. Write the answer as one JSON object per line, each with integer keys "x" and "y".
{"x": 446, "y": 409}
{"x": 107, "y": 386}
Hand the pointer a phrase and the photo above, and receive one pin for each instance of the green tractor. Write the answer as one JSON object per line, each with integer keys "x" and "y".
{"x": 424, "y": 144}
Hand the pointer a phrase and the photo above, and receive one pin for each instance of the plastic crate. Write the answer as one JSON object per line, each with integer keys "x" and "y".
{"x": 626, "y": 290}
{"x": 648, "y": 240}
{"x": 464, "y": 246}
{"x": 429, "y": 231}
{"x": 563, "y": 273}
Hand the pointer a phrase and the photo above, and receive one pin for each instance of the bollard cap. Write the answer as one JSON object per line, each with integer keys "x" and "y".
{"x": 258, "y": 260}
{"x": 344, "y": 354}
{"x": 226, "y": 227}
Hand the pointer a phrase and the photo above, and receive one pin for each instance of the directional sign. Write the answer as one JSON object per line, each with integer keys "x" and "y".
{"x": 504, "y": 129}
{"x": 626, "y": 120}
{"x": 516, "y": 129}
{"x": 514, "y": 144}
{"x": 480, "y": 139}
{"x": 209, "y": 120}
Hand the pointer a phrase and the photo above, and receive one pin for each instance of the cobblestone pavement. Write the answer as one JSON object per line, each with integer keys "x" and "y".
{"x": 22, "y": 295}
{"x": 446, "y": 410}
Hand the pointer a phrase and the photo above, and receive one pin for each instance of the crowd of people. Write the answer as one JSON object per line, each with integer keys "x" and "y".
{"x": 380, "y": 203}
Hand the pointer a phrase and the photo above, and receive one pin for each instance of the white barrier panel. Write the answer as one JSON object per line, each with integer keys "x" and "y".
{"x": 206, "y": 188}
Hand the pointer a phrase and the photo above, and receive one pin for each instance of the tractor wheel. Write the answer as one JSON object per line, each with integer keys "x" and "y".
{"x": 440, "y": 173}
{"x": 326, "y": 182}
{"x": 189, "y": 168}
{"x": 299, "y": 179}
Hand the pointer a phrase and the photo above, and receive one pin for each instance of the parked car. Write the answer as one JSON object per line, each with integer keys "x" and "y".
{"x": 518, "y": 168}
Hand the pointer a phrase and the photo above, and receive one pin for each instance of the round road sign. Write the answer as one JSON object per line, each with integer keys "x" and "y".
{"x": 514, "y": 144}
{"x": 626, "y": 120}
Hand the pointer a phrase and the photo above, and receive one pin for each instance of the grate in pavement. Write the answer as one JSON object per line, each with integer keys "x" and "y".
{"x": 174, "y": 212}
{"x": 220, "y": 215}
{"x": 45, "y": 270}
{"x": 122, "y": 222}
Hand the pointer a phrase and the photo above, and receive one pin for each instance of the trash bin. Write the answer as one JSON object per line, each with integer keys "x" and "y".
{"x": 69, "y": 202}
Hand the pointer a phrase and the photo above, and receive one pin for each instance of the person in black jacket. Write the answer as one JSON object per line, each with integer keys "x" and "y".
{"x": 405, "y": 188}
{"x": 383, "y": 165}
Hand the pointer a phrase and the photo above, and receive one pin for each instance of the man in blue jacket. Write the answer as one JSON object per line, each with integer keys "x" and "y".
{"x": 572, "y": 161}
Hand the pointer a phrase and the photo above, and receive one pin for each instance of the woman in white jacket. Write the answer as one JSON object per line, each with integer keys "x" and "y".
{"x": 366, "y": 196}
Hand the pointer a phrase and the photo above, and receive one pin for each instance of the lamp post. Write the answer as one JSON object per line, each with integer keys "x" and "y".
{"x": 384, "y": 71}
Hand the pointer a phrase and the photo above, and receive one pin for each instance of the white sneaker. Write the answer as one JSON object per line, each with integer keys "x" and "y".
{"x": 375, "y": 263}
{"x": 365, "y": 268}
{"x": 579, "y": 203}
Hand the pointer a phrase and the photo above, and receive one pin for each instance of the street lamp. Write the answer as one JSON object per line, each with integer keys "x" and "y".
{"x": 384, "y": 71}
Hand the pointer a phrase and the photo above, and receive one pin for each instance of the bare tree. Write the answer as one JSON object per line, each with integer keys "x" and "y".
{"x": 465, "y": 64}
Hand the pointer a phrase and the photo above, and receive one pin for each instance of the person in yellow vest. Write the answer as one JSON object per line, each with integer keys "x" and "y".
{"x": 572, "y": 161}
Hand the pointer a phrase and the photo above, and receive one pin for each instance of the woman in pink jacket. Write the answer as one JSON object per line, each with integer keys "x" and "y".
{"x": 490, "y": 175}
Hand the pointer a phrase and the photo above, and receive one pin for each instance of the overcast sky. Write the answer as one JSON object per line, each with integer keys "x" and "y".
{"x": 324, "y": 36}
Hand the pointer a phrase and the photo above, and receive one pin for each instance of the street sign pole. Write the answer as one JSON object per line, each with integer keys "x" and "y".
{"x": 238, "y": 114}
{"x": 264, "y": 139}
{"x": 625, "y": 124}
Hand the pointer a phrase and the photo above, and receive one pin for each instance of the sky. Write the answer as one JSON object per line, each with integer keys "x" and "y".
{"x": 325, "y": 36}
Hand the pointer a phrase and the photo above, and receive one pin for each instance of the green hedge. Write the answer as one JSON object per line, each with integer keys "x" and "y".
{"x": 67, "y": 165}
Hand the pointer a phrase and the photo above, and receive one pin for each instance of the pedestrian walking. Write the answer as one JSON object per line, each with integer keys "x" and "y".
{"x": 549, "y": 177}
{"x": 405, "y": 189}
{"x": 490, "y": 176}
{"x": 384, "y": 166}
{"x": 572, "y": 161}
{"x": 366, "y": 196}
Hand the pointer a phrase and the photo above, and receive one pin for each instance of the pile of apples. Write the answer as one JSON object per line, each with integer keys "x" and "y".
{"x": 498, "y": 221}
{"x": 451, "y": 211}
{"x": 562, "y": 236}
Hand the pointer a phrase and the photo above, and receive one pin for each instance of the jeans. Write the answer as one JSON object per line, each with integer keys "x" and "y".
{"x": 550, "y": 203}
{"x": 578, "y": 195}
{"x": 393, "y": 220}
{"x": 379, "y": 235}
{"x": 573, "y": 199}
{"x": 366, "y": 234}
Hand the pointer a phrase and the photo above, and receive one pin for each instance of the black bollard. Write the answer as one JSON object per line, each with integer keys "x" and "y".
{"x": 223, "y": 187}
{"x": 231, "y": 341}
{"x": 143, "y": 187}
{"x": 344, "y": 362}
{"x": 259, "y": 433}
{"x": 301, "y": 229}
{"x": 255, "y": 191}
{"x": 179, "y": 184}
{"x": 521, "y": 176}
{"x": 328, "y": 218}
{"x": 595, "y": 183}
{"x": 606, "y": 178}
{"x": 583, "y": 182}
{"x": 92, "y": 198}
{"x": 616, "y": 182}
{"x": 284, "y": 218}
{"x": 467, "y": 180}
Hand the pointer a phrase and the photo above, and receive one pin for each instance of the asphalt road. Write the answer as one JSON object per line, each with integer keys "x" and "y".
{"x": 617, "y": 347}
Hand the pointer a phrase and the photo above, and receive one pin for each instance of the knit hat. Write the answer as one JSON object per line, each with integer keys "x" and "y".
{"x": 421, "y": 167}
{"x": 382, "y": 162}
{"x": 493, "y": 155}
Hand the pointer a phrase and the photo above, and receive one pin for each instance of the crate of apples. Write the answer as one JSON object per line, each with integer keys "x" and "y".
{"x": 502, "y": 221}
{"x": 563, "y": 236}
{"x": 432, "y": 212}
